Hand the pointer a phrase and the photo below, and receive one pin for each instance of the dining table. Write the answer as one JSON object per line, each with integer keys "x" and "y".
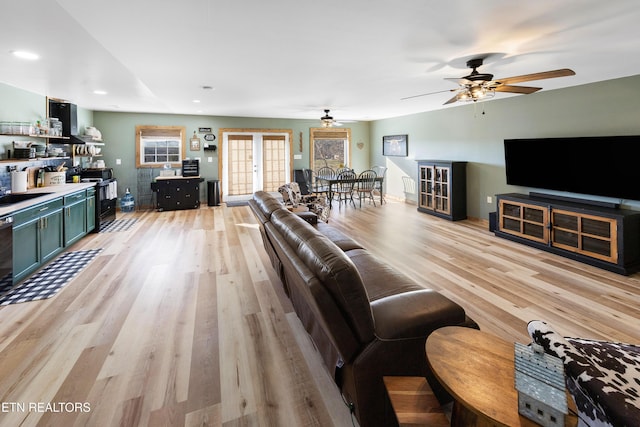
{"x": 331, "y": 181}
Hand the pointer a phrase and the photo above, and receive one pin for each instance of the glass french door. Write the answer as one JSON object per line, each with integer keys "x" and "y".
{"x": 254, "y": 161}
{"x": 240, "y": 176}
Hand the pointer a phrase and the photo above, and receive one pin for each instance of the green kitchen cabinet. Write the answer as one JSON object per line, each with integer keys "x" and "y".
{"x": 51, "y": 242}
{"x": 26, "y": 251}
{"x": 91, "y": 209}
{"x": 75, "y": 217}
{"x": 37, "y": 237}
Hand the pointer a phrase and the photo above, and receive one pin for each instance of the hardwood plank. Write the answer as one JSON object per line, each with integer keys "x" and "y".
{"x": 205, "y": 417}
{"x": 204, "y": 371}
{"x": 235, "y": 371}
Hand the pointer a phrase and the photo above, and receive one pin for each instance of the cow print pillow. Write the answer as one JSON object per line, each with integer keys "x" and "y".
{"x": 603, "y": 377}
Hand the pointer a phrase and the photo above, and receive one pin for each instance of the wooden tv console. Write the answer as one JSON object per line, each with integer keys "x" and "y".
{"x": 595, "y": 233}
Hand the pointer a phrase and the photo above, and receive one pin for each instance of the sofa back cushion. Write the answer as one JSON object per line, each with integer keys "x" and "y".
{"x": 264, "y": 204}
{"x": 333, "y": 269}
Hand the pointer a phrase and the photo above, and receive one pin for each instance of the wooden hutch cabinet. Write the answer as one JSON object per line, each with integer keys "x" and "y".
{"x": 442, "y": 188}
{"x": 597, "y": 234}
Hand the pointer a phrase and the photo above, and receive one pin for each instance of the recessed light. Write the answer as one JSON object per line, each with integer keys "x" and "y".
{"x": 100, "y": 92}
{"x": 196, "y": 101}
{"x": 23, "y": 54}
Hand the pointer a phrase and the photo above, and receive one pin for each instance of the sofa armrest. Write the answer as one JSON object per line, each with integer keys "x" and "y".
{"x": 414, "y": 314}
{"x": 309, "y": 217}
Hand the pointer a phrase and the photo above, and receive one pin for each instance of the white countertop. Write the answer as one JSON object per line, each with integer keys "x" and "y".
{"x": 54, "y": 191}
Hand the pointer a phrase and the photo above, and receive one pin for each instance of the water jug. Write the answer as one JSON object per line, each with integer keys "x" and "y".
{"x": 127, "y": 202}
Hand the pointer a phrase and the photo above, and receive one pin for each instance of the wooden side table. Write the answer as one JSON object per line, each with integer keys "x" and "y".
{"x": 414, "y": 403}
{"x": 477, "y": 368}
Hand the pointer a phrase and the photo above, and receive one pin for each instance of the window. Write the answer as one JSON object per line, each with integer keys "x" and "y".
{"x": 330, "y": 147}
{"x": 157, "y": 146}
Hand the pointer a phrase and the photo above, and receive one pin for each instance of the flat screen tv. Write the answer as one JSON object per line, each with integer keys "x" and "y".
{"x": 606, "y": 166}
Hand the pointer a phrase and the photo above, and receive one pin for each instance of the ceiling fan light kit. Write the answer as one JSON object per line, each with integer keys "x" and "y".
{"x": 480, "y": 86}
{"x": 327, "y": 120}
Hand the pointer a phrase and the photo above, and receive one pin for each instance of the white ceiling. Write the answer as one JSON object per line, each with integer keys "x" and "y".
{"x": 294, "y": 58}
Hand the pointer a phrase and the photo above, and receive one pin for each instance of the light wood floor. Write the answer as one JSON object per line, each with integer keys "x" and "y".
{"x": 181, "y": 320}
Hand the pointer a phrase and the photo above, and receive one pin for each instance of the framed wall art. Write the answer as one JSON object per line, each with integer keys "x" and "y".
{"x": 395, "y": 145}
{"x": 195, "y": 142}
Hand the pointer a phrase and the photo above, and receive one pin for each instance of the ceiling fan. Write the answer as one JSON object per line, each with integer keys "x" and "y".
{"x": 478, "y": 86}
{"x": 328, "y": 121}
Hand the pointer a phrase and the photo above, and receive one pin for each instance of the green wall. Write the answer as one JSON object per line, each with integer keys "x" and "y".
{"x": 456, "y": 133}
{"x": 465, "y": 133}
{"x": 118, "y": 132}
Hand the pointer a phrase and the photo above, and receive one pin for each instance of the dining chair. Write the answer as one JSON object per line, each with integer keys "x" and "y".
{"x": 366, "y": 185}
{"x": 307, "y": 175}
{"x": 343, "y": 169}
{"x": 320, "y": 186}
{"x": 380, "y": 171}
{"x": 344, "y": 187}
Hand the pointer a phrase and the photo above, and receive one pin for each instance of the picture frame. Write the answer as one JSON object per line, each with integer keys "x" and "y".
{"x": 195, "y": 142}
{"x": 395, "y": 145}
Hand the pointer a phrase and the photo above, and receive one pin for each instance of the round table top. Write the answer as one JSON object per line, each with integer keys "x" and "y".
{"x": 477, "y": 368}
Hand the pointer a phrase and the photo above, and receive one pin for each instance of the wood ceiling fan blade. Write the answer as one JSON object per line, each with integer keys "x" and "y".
{"x": 563, "y": 72}
{"x": 452, "y": 100}
{"x": 460, "y": 81}
{"x": 516, "y": 89}
{"x": 430, "y": 93}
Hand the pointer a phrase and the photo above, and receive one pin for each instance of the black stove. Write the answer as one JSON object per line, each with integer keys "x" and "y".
{"x": 106, "y": 194}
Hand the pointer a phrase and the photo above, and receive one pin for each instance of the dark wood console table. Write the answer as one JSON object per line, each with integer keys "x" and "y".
{"x": 602, "y": 236}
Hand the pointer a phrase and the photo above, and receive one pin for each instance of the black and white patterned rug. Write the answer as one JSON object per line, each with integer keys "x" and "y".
{"x": 46, "y": 282}
{"x": 117, "y": 225}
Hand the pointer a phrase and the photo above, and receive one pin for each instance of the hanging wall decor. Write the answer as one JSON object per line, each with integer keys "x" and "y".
{"x": 395, "y": 145}
{"x": 195, "y": 142}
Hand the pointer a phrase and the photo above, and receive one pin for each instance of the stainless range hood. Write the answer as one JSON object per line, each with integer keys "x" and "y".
{"x": 67, "y": 113}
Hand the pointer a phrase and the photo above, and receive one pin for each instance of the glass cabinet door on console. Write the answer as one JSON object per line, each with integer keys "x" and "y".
{"x": 524, "y": 220}
{"x": 586, "y": 234}
{"x": 434, "y": 188}
{"x": 442, "y": 189}
{"x": 425, "y": 179}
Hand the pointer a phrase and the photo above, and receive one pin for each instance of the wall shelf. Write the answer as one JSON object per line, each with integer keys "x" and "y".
{"x": 37, "y": 136}
{"x": 35, "y": 159}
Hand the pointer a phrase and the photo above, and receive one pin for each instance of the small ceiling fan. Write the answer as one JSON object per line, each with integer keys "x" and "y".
{"x": 328, "y": 121}
{"x": 478, "y": 86}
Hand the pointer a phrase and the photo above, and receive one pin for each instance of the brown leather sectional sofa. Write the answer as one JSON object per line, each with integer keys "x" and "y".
{"x": 366, "y": 319}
